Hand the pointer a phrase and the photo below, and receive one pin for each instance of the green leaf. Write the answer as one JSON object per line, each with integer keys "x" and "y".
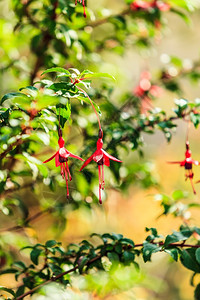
{"x": 197, "y": 292}
{"x": 10, "y": 291}
{"x": 173, "y": 253}
{"x": 35, "y": 253}
{"x": 126, "y": 241}
{"x": 86, "y": 100}
{"x": 20, "y": 290}
{"x": 17, "y": 97}
{"x": 178, "y": 194}
{"x": 113, "y": 256}
{"x": 83, "y": 262}
{"x": 197, "y": 255}
{"x": 8, "y": 271}
{"x": 63, "y": 113}
{"x": 88, "y": 75}
{"x": 20, "y": 265}
{"x": 50, "y": 243}
{"x": 31, "y": 90}
{"x": 57, "y": 69}
{"x": 128, "y": 257}
{"x": 189, "y": 261}
{"x": 4, "y": 115}
{"x": 148, "y": 250}
{"x": 178, "y": 236}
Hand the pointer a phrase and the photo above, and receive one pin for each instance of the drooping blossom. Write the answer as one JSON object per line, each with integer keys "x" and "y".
{"x": 61, "y": 159}
{"x": 144, "y": 5}
{"x": 162, "y": 6}
{"x": 187, "y": 164}
{"x": 140, "y": 5}
{"x": 83, "y": 3}
{"x": 101, "y": 157}
{"x": 145, "y": 91}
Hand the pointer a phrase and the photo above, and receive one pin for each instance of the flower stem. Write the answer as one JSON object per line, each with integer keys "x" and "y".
{"x": 91, "y": 104}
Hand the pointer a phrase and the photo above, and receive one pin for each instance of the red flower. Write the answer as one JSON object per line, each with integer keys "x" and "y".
{"x": 101, "y": 157}
{"x": 162, "y": 6}
{"x": 187, "y": 164}
{"x": 83, "y": 3}
{"x": 143, "y": 5}
{"x": 140, "y": 5}
{"x": 146, "y": 91}
{"x": 61, "y": 158}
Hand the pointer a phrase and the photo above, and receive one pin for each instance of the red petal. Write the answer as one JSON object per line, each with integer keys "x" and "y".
{"x": 106, "y": 161}
{"x": 63, "y": 152}
{"x": 74, "y": 156}
{"x": 86, "y": 162}
{"x": 57, "y": 160}
{"x": 181, "y": 163}
{"x": 195, "y": 162}
{"x": 110, "y": 156}
{"x": 44, "y": 162}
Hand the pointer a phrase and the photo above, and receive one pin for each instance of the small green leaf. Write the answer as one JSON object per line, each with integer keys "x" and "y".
{"x": 149, "y": 249}
{"x": 197, "y": 255}
{"x": 177, "y": 237}
{"x": 126, "y": 241}
{"x": 50, "y": 243}
{"x": 88, "y": 75}
{"x": 113, "y": 256}
{"x": 197, "y": 292}
{"x": 20, "y": 265}
{"x": 10, "y": 291}
{"x": 17, "y": 97}
{"x": 35, "y": 253}
{"x": 82, "y": 263}
{"x": 173, "y": 253}
{"x": 57, "y": 69}
{"x": 128, "y": 257}
{"x": 20, "y": 290}
{"x": 63, "y": 113}
{"x": 188, "y": 259}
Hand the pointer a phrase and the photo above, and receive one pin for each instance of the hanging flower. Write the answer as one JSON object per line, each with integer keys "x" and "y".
{"x": 83, "y": 3}
{"x": 101, "y": 157}
{"x": 146, "y": 91}
{"x": 140, "y": 5}
{"x": 187, "y": 164}
{"x": 61, "y": 159}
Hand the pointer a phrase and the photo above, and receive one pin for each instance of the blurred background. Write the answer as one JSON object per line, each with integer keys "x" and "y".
{"x": 138, "y": 204}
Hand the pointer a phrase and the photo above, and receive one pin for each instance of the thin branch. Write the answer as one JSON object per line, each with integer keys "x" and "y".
{"x": 106, "y": 19}
{"x": 54, "y": 278}
{"x": 27, "y": 221}
{"x": 16, "y": 143}
{"x": 15, "y": 189}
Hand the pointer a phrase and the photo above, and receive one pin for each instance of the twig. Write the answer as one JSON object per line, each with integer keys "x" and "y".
{"x": 27, "y": 221}
{"x": 106, "y": 19}
{"x": 54, "y": 278}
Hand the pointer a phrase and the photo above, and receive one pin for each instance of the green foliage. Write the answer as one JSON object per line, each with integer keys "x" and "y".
{"x": 54, "y": 89}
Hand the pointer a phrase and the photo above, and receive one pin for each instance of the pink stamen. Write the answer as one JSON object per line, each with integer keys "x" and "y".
{"x": 84, "y": 13}
{"x": 99, "y": 167}
{"x": 103, "y": 182}
{"x": 70, "y": 177}
{"x": 66, "y": 179}
{"x": 61, "y": 171}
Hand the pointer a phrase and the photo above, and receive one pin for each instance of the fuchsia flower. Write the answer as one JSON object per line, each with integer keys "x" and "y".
{"x": 146, "y": 91}
{"x": 143, "y": 5}
{"x": 83, "y": 3}
{"x": 187, "y": 164}
{"x": 101, "y": 157}
{"x": 140, "y": 5}
{"x": 61, "y": 158}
